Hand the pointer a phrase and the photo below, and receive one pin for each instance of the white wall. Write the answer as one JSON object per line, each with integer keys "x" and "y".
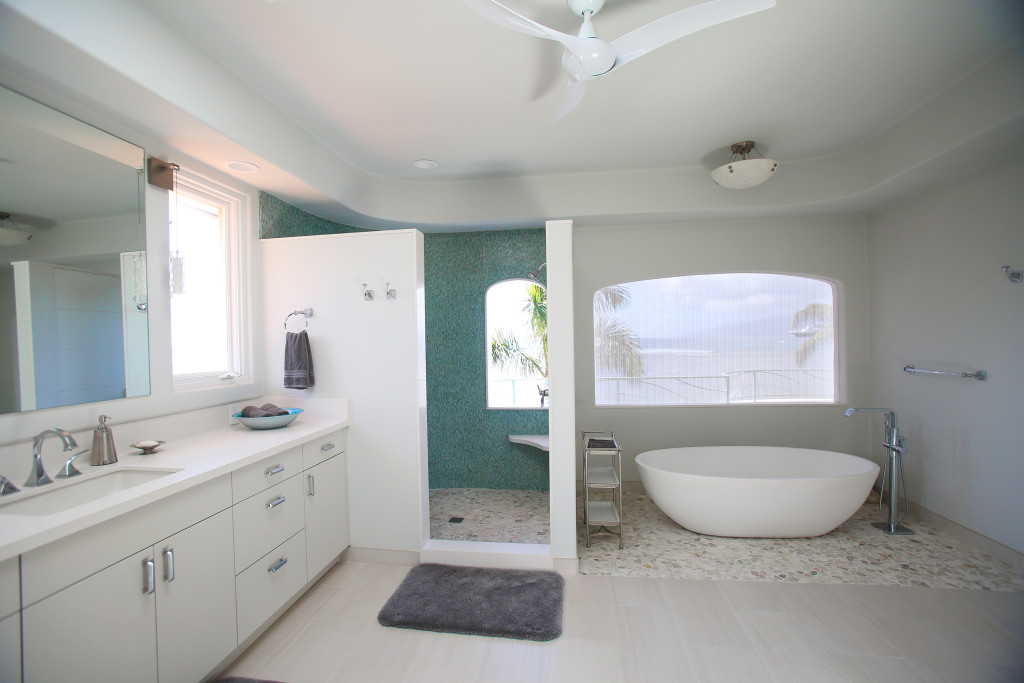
{"x": 939, "y": 300}
{"x": 833, "y": 248}
{"x": 367, "y": 351}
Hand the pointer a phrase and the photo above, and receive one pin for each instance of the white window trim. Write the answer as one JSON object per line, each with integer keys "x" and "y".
{"x": 236, "y": 219}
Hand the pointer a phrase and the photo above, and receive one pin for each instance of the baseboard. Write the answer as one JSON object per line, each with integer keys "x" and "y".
{"x": 1003, "y": 553}
{"x": 404, "y": 558}
{"x": 486, "y": 554}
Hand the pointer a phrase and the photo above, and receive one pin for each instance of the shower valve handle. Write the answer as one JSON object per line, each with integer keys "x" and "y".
{"x": 900, "y": 446}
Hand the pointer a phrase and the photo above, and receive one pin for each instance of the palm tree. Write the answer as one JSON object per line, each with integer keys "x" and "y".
{"x": 814, "y": 322}
{"x": 509, "y": 354}
{"x": 617, "y": 348}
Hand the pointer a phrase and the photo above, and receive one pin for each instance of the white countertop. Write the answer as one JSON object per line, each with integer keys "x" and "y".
{"x": 192, "y": 460}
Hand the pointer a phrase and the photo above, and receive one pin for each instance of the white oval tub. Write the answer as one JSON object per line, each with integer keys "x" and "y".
{"x": 756, "y": 491}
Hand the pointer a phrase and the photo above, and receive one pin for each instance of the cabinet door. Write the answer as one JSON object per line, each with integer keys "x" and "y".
{"x": 10, "y": 649}
{"x": 195, "y": 600}
{"x": 326, "y": 513}
{"x": 102, "y": 628}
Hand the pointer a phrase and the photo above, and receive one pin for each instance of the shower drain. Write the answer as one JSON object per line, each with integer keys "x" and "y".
{"x": 456, "y": 520}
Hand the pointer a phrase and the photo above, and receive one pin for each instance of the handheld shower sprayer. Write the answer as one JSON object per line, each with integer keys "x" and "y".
{"x": 892, "y": 473}
{"x": 535, "y": 274}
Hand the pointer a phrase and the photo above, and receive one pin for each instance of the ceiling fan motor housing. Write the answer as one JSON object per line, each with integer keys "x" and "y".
{"x": 581, "y": 7}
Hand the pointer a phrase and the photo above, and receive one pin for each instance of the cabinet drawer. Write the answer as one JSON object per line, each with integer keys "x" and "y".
{"x": 269, "y": 583}
{"x": 261, "y": 475}
{"x": 318, "y": 450}
{"x": 266, "y": 520}
{"x": 10, "y": 587}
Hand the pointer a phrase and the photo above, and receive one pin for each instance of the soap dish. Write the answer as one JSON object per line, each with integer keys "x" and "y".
{"x": 147, "y": 447}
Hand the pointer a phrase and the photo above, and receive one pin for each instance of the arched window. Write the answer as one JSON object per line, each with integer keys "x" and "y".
{"x": 727, "y": 338}
{"x": 517, "y": 344}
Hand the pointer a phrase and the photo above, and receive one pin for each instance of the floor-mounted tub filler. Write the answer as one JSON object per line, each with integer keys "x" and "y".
{"x": 756, "y": 491}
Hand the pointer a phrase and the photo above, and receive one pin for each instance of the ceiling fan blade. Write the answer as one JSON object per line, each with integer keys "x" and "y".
{"x": 503, "y": 16}
{"x": 682, "y": 23}
{"x": 571, "y": 99}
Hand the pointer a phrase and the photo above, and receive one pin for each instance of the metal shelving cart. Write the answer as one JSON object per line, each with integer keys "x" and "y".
{"x": 602, "y": 471}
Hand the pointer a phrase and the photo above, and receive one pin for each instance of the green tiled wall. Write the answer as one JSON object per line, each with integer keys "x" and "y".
{"x": 468, "y": 444}
{"x": 280, "y": 219}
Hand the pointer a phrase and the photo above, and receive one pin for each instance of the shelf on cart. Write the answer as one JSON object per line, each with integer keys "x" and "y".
{"x": 602, "y": 512}
{"x": 602, "y": 476}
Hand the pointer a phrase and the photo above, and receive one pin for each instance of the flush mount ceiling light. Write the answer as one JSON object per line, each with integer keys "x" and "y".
{"x": 425, "y": 164}
{"x": 12, "y": 234}
{"x": 742, "y": 172}
{"x": 242, "y": 166}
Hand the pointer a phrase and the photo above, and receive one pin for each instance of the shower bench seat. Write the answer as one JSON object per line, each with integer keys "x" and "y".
{"x": 540, "y": 441}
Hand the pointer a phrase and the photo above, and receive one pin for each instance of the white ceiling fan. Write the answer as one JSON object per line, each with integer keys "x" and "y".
{"x": 588, "y": 56}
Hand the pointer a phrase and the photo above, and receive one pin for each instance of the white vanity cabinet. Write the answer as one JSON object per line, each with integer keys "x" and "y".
{"x": 326, "y": 513}
{"x": 10, "y": 621}
{"x": 171, "y": 602}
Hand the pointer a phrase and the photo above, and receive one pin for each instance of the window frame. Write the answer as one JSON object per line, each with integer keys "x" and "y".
{"x": 838, "y": 375}
{"x": 234, "y": 205}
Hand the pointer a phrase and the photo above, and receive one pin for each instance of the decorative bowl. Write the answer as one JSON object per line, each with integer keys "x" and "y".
{"x": 272, "y": 422}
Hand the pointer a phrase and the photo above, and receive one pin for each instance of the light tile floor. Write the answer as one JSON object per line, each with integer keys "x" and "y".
{"x": 624, "y": 629}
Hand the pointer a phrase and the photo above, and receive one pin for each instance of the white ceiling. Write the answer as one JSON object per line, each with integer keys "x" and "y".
{"x": 386, "y": 83}
{"x": 341, "y": 97}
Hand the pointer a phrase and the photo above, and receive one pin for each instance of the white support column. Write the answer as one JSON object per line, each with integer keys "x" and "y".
{"x": 562, "y": 384}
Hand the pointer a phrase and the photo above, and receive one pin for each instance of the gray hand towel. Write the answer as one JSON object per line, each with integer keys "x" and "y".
{"x": 298, "y": 361}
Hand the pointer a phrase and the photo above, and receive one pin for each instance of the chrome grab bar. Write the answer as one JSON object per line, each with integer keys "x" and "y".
{"x": 980, "y": 375}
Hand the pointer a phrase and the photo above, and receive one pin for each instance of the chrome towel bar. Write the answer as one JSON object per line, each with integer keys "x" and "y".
{"x": 980, "y": 375}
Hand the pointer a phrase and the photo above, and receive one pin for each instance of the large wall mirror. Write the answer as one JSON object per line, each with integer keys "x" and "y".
{"x": 73, "y": 297}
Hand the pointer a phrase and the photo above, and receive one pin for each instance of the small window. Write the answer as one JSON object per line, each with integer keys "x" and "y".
{"x": 517, "y": 345}
{"x": 206, "y": 237}
{"x": 731, "y": 338}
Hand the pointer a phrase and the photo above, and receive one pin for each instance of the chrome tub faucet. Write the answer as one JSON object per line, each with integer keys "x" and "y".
{"x": 38, "y": 475}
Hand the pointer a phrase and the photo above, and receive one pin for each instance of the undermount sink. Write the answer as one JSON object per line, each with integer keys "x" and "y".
{"x": 77, "y": 491}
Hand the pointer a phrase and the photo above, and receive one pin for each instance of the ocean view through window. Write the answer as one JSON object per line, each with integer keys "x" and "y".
{"x": 717, "y": 339}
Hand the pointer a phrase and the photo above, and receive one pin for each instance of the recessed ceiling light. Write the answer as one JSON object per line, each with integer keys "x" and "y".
{"x": 242, "y": 166}
{"x": 425, "y": 164}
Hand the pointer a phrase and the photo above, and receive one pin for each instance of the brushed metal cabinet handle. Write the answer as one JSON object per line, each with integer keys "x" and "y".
{"x": 148, "y": 576}
{"x": 168, "y": 564}
{"x": 276, "y": 469}
{"x": 280, "y": 563}
{"x": 312, "y": 485}
{"x": 326, "y": 447}
{"x": 274, "y": 503}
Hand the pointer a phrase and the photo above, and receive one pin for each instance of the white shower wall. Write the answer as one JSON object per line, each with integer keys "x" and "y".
{"x": 370, "y": 352}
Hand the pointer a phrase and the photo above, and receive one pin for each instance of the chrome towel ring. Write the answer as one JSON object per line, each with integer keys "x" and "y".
{"x": 306, "y": 313}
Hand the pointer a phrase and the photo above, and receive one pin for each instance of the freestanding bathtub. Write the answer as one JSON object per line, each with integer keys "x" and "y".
{"x": 756, "y": 491}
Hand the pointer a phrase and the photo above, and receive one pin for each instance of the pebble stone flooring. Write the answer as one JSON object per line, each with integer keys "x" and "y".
{"x": 854, "y": 553}
{"x": 489, "y": 515}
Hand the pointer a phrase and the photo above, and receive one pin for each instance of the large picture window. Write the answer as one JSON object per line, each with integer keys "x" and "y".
{"x": 728, "y": 338}
{"x": 517, "y": 344}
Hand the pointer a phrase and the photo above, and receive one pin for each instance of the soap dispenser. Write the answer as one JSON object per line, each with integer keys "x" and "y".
{"x": 103, "y": 451}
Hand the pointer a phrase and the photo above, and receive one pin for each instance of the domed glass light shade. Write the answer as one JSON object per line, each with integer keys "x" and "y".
{"x": 742, "y": 172}
{"x": 12, "y": 234}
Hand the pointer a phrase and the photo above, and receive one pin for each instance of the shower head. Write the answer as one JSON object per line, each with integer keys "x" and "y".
{"x": 534, "y": 275}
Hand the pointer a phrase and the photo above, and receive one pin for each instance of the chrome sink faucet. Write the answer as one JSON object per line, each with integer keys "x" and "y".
{"x": 38, "y": 475}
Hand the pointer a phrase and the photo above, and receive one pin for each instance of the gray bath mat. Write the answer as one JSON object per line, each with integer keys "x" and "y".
{"x": 510, "y": 603}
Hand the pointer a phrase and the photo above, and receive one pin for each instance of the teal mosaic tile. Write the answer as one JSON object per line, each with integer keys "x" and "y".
{"x": 278, "y": 218}
{"x": 468, "y": 444}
